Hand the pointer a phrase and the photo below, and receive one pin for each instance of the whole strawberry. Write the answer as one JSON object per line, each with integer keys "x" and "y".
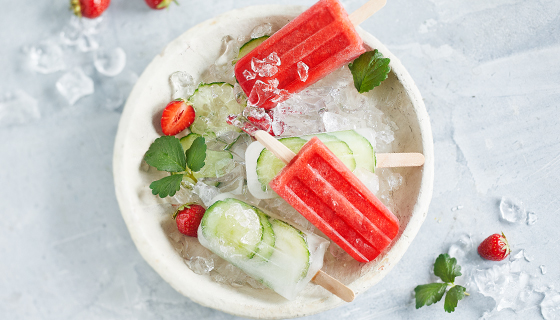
{"x": 495, "y": 247}
{"x": 159, "y": 4}
{"x": 89, "y": 8}
{"x": 188, "y": 218}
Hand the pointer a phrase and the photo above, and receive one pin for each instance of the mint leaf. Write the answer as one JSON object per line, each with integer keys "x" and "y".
{"x": 428, "y": 294}
{"x": 166, "y": 154}
{"x": 369, "y": 70}
{"x": 452, "y": 297}
{"x": 196, "y": 154}
{"x": 446, "y": 268}
{"x": 167, "y": 186}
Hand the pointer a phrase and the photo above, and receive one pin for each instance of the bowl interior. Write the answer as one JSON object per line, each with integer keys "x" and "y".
{"x": 147, "y": 217}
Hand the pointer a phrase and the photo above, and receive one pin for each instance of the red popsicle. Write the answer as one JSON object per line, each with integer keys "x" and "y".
{"x": 308, "y": 48}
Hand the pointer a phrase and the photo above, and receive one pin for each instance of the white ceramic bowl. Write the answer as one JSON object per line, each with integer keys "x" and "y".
{"x": 146, "y": 215}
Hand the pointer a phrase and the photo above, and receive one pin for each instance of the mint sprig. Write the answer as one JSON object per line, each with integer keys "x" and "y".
{"x": 166, "y": 154}
{"x": 369, "y": 70}
{"x": 447, "y": 270}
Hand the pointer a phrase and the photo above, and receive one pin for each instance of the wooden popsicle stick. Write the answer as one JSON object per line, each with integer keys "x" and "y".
{"x": 334, "y": 286}
{"x": 366, "y": 11}
{"x": 391, "y": 160}
{"x": 276, "y": 147}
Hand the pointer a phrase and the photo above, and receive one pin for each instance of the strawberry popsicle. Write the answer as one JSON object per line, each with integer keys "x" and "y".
{"x": 320, "y": 187}
{"x": 308, "y": 48}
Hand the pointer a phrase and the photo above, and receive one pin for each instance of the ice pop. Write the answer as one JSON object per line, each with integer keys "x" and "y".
{"x": 267, "y": 249}
{"x": 320, "y": 187}
{"x": 315, "y": 43}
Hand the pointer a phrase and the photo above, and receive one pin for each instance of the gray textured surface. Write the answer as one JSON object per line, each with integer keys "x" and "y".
{"x": 489, "y": 72}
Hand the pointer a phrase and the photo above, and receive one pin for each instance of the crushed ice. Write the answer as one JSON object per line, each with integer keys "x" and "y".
{"x": 182, "y": 85}
{"x": 531, "y": 218}
{"x": 267, "y": 67}
{"x": 303, "y": 71}
{"x": 261, "y": 30}
{"x": 18, "y": 108}
{"x": 46, "y": 57}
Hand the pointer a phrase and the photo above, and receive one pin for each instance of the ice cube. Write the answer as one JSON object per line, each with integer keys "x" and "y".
{"x": 512, "y": 210}
{"x": 223, "y": 68}
{"x": 531, "y": 218}
{"x": 74, "y": 85}
{"x": 18, "y": 108}
{"x": 336, "y": 122}
{"x": 550, "y": 305}
{"x": 182, "y": 85}
{"x": 261, "y": 30}
{"x": 368, "y": 178}
{"x": 81, "y": 33}
{"x": 504, "y": 283}
{"x": 543, "y": 268}
{"x": 205, "y": 192}
{"x": 303, "y": 71}
{"x": 261, "y": 92}
{"x": 200, "y": 265}
{"x": 517, "y": 255}
{"x": 46, "y": 57}
{"x": 109, "y": 62}
{"x": 461, "y": 248}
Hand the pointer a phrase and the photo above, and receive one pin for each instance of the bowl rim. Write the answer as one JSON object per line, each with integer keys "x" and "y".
{"x": 419, "y": 212}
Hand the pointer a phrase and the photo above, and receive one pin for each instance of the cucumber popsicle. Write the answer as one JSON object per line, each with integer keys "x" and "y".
{"x": 270, "y": 250}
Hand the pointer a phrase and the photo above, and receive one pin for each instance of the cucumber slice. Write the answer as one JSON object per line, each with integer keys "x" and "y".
{"x": 266, "y": 247}
{"x": 212, "y": 104}
{"x": 360, "y": 146}
{"x": 216, "y": 164}
{"x": 233, "y": 226}
{"x": 291, "y": 242}
{"x": 268, "y": 166}
{"x": 250, "y": 45}
{"x": 340, "y": 149}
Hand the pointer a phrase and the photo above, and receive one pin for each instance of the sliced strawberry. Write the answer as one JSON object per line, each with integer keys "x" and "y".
{"x": 89, "y": 8}
{"x": 495, "y": 247}
{"x": 188, "y": 218}
{"x": 176, "y": 117}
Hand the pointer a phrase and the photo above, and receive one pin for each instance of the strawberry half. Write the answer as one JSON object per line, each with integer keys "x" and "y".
{"x": 89, "y": 8}
{"x": 159, "y": 4}
{"x": 188, "y": 218}
{"x": 176, "y": 117}
{"x": 495, "y": 247}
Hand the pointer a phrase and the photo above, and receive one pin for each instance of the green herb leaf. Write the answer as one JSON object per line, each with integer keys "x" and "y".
{"x": 167, "y": 186}
{"x": 452, "y": 297}
{"x": 428, "y": 294}
{"x": 446, "y": 268}
{"x": 369, "y": 70}
{"x": 196, "y": 154}
{"x": 166, "y": 154}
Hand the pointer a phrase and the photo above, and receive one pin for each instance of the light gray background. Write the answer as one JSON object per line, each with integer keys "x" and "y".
{"x": 489, "y": 72}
